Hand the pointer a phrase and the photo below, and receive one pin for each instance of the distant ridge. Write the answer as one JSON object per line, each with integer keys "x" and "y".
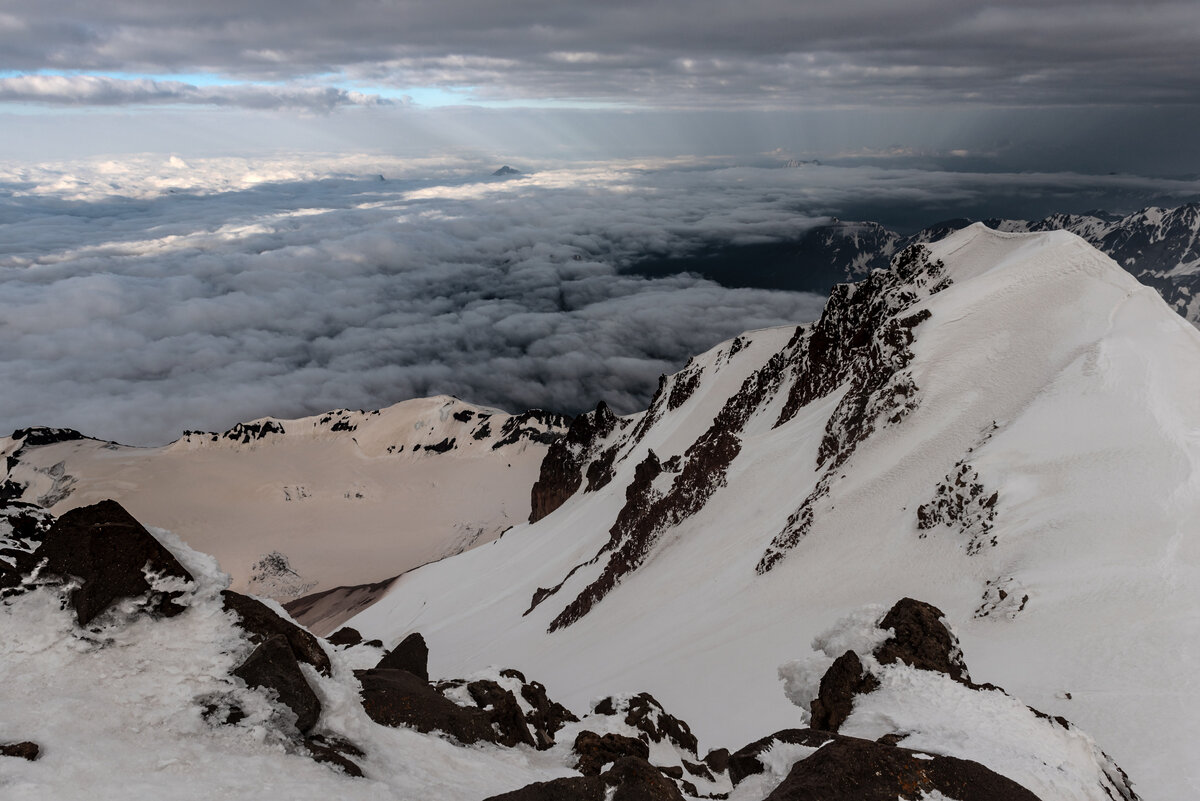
{"x": 506, "y": 170}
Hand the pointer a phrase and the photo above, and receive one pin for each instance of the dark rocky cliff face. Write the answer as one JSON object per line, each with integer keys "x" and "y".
{"x": 564, "y": 464}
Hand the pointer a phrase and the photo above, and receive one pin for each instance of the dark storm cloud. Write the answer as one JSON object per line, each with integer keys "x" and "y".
{"x": 700, "y": 53}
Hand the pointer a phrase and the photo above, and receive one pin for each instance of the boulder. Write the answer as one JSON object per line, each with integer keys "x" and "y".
{"x": 844, "y": 679}
{"x": 345, "y": 636}
{"x": 411, "y": 654}
{"x": 921, "y": 640}
{"x": 631, "y": 779}
{"x": 547, "y": 716}
{"x": 745, "y": 761}
{"x": 272, "y": 666}
{"x": 596, "y": 751}
{"x": 647, "y": 715}
{"x": 850, "y": 769}
{"x": 262, "y": 623}
{"x": 635, "y": 779}
{"x": 503, "y": 711}
{"x": 109, "y": 554}
{"x": 398, "y": 698}
{"x": 577, "y": 788}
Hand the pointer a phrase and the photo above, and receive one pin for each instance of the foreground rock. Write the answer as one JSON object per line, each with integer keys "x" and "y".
{"x": 411, "y": 654}
{"x": 398, "y": 698}
{"x": 630, "y": 779}
{"x": 272, "y": 666}
{"x": 110, "y": 554}
{"x": 262, "y": 623}
{"x": 849, "y": 769}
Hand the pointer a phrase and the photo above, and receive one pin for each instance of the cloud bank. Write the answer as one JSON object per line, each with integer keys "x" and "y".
{"x": 94, "y": 90}
{"x": 133, "y": 317}
{"x": 143, "y": 296}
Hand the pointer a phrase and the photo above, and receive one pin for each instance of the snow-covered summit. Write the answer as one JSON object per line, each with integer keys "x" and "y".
{"x": 1004, "y": 424}
{"x": 293, "y": 506}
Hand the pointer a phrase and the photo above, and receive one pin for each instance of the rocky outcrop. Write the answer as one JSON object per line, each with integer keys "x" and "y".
{"x": 574, "y": 788}
{"x": 23, "y": 526}
{"x": 861, "y": 340}
{"x": 411, "y": 654}
{"x": 563, "y": 466}
{"x": 545, "y": 717}
{"x": 272, "y": 666}
{"x": 261, "y": 624}
{"x": 746, "y": 760}
{"x": 110, "y": 556}
{"x": 596, "y": 751}
{"x": 921, "y": 639}
{"x": 849, "y": 769}
{"x": 644, "y": 713}
{"x": 629, "y": 779}
{"x": 844, "y": 679}
{"x": 345, "y": 637}
{"x": 398, "y": 698}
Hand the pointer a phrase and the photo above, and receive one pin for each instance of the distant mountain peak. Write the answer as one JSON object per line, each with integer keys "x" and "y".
{"x": 506, "y": 170}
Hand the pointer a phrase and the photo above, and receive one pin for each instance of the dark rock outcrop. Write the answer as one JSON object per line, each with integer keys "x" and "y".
{"x": 109, "y": 553}
{"x": 273, "y": 666}
{"x": 596, "y": 751}
{"x": 398, "y": 698}
{"x": 261, "y": 623}
{"x": 745, "y": 761}
{"x": 717, "y": 760}
{"x": 411, "y": 654}
{"x": 345, "y": 637}
{"x": 635, "y": 779}
{"x": 28, "y": 524}
{"x": 575, "y": 788}
{"x": 563, "y": 466}
{"x": 547, "y": 716}
{"x": 921, "y": 640}
{"x": 850, "y": 769}
{"x": 647, "y": 715}
{"x": 24, "y": 750}
{"x": 507, "y": 719}
{"x": 844, "y": 679}
{"x": 632, "y": 779}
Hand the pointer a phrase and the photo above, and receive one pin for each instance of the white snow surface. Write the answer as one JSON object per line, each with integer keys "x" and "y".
{"x": 1073, "y": 392}
{"x": 343, "y": 495}
{"x": 116, "y": 709}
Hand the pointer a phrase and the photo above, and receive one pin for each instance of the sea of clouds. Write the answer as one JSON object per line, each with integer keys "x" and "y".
{"x": 145, "y": 295}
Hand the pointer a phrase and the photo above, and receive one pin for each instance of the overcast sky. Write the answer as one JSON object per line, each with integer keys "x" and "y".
{"x": 1099, "y": 86}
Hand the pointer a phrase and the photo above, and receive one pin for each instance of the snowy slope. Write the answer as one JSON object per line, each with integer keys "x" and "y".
{"x": 1009, "y": 434}
{"x": 294, "y": 506}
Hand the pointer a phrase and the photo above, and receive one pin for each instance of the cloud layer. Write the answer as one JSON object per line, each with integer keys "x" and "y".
{"x": 147, "y": 295}
{"x": 703, "y": 53}
{"x": 94, "y": 90}
{"x": 135, "y": 317}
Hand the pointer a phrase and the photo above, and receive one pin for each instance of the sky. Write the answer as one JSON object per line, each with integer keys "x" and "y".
{"x": 216, "y": 211}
